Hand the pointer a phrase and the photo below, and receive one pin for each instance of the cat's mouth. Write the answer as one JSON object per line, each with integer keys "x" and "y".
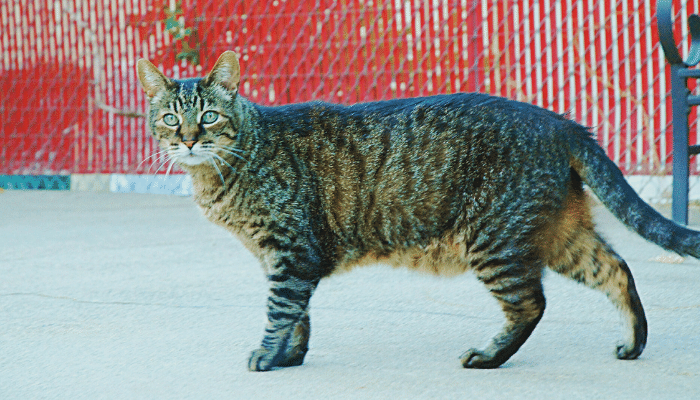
{"x": 205, "y": 153}
{"x": 192, "y": 159}
{"x": 194, "y": 155}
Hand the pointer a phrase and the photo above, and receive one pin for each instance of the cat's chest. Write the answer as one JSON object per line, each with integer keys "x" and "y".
{"x": 221, "y": 209}
{"x": 232, "y": 211}
{"x": 247, "y": 227}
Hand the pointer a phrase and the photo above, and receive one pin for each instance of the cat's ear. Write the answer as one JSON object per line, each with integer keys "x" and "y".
{"x": 226, "y": 72}
{"x": 152, "y": 80}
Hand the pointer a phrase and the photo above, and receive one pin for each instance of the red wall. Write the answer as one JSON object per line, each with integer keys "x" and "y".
{"x": 598, "y": 60}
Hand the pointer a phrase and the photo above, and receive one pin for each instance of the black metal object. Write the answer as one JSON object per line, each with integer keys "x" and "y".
{"x": 682, "y": 101}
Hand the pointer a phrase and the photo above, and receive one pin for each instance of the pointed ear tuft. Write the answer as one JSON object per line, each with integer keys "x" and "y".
{"x": 226, "y": 72}
{"x": 152, "y": 80}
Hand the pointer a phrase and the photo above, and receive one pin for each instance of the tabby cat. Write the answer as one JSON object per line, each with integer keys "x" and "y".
{"x": 443, "y": 184}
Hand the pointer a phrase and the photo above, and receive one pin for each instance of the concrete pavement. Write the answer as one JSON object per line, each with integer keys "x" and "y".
{"x": 127, "y": 296}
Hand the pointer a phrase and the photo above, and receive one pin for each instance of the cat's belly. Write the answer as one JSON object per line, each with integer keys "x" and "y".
{"x": 447, "y": 256}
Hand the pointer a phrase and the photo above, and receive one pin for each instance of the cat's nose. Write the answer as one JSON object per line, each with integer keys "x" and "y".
{"x": 189, "y": 143}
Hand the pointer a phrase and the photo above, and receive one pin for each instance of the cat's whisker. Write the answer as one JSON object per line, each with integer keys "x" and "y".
{"x": 160, "y": 153}
{"x": 161, "y": 158}
{"x": 210, "y": 146}
{"x": 165, "y": 161}
{"x": 172, "y": 162}
{"x": 222, "y": 160}
{"x": 232, "y": 148}
{"x": 213, "y": 162}
{"x": 231, "y": 153}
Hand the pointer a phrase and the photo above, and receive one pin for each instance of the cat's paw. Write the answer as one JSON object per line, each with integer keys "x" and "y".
{"x": 629, "y": 351}
{"x": 474, "y": 358}
{"x": 294, "y": 357}
{"x": 293, "y": 361}
{"x": 264, "y": 360}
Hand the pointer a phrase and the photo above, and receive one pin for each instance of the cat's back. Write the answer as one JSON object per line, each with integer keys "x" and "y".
{"x": 471, "y": 107}
{"x": 464, "y": 119}
{"x": 468, "y": 120}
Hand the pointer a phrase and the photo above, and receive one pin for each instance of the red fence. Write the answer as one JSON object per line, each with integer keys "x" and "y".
{"x": 69, "y": 99}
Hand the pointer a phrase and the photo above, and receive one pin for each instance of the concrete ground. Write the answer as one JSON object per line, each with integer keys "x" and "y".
{"x": 125, "y": 296}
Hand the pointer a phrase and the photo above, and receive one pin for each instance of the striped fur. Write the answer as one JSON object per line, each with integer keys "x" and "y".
{"x": 442, "y": 184}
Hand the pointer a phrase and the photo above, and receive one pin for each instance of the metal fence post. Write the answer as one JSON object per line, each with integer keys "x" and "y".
{"x": 682, "y": 100}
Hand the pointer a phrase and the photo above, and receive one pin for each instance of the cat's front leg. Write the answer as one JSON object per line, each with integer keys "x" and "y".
{"x": 287, "y": 332}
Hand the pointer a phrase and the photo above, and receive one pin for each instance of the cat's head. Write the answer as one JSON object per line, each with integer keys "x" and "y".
{"x": 194, "y": 120}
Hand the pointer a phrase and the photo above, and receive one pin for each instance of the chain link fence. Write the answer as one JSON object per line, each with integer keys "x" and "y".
{"x": 71, "y": 104}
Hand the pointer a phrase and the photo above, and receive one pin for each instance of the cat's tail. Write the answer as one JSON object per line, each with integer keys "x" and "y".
{"x": 605, "y": 179}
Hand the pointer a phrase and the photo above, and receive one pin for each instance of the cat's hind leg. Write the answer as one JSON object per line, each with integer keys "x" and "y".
{"x": 518, "y": 289}
{"x": 588, "y": 259}
{"x": 571, "y": 246}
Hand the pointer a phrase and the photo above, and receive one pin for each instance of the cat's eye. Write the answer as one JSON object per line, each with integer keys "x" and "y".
{"x": 170, "y": 119}
{"x": 210, "y": 117}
